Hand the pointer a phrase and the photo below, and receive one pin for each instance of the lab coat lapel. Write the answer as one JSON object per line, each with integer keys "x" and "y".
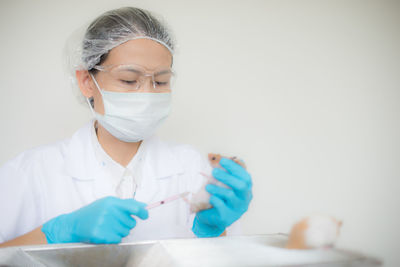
{"x": 159, "y": 162}
{"x": 82, "y": 165}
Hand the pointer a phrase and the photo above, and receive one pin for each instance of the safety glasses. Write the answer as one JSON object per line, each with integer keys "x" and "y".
{"x": 133, "y": 77}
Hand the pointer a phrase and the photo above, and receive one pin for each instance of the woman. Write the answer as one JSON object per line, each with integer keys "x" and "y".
{"x": 94, "y": 187}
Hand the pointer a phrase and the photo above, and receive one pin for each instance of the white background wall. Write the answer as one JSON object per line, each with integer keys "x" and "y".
{"x": 307, "y": 92}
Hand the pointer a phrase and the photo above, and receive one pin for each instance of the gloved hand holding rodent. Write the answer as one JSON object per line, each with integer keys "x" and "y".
{"x": 106, "y": 220}
{"x": 227, "y": 201}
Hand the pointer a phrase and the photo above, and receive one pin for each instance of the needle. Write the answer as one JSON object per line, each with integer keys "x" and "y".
{"x": 167, "y": 200}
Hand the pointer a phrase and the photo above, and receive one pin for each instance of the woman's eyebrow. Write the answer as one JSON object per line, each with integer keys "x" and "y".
{"x": 162, "y": 72}
{"x": 133, "y": 70}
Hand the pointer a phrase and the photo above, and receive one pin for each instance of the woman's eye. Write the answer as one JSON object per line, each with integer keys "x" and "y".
{"x": 128, "y": 82}
{"x": 161, "y": 83}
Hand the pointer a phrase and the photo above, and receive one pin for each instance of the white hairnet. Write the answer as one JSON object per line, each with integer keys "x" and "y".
{"x": 89, "y": 48}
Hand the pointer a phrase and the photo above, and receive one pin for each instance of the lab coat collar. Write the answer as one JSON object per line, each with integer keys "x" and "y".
{"x": 159, "y": 160}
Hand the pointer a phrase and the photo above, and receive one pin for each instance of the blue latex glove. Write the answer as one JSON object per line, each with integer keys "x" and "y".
{"x": 229, "y": 204}
{"x": 106, "y": 220}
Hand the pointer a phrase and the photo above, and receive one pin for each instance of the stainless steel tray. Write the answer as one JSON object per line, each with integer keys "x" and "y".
{"x": 256, "y": 250}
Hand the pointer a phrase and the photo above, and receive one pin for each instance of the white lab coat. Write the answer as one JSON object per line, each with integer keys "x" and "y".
{"x": 47, "y": 181}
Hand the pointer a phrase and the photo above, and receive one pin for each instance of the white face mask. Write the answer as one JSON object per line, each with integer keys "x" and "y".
{"x": 132, "y": 117}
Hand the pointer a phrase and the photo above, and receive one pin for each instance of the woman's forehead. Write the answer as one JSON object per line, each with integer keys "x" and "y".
{"x": 147, "y": 53}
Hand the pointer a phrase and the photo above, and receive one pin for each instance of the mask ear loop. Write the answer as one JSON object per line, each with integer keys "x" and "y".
{"x": 90, "y": 100}
{"x": 91, "y": 105}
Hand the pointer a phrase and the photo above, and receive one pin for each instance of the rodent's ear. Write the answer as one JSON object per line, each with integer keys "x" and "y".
{"x": 215, "y": 158}
{"x": 239, "y": 161}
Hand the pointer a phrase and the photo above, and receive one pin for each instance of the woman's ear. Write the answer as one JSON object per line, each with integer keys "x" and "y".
{"x": 85, "y": 83}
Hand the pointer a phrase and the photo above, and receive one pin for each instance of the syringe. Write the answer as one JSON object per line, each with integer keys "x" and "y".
{"x": 167, "y": 200}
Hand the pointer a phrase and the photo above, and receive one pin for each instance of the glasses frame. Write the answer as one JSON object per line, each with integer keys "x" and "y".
{"x": 142, "y": 71}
